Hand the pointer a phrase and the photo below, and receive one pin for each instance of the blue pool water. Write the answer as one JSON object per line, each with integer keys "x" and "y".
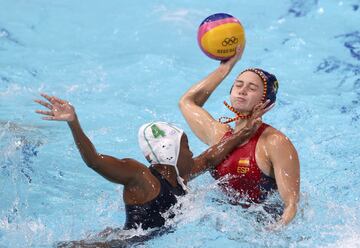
{"x": 124, "y": 63}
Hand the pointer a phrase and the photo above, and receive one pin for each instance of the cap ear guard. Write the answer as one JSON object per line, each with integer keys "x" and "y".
{"x": 165, "y": 151}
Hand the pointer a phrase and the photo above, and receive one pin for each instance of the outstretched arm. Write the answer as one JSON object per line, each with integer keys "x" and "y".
{"x": 206, "y": 128}
{"x": 122, "y": 171}
{"x": 217, "y": 153}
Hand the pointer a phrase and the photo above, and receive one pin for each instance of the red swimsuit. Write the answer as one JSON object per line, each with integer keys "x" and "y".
{"x": 239, "y": 174}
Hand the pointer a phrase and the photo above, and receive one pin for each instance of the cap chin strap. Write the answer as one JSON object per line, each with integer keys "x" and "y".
{"x": 226, "y": 120}
{"x": 180, "y": 179}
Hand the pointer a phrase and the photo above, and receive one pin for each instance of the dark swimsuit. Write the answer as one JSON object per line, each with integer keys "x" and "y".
{"x": 148, "y": 215}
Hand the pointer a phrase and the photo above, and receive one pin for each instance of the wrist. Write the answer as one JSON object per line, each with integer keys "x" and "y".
{"x": 73, "y": 120}
{"x": 289, "y": 214}
{"x": 224, "y": 69}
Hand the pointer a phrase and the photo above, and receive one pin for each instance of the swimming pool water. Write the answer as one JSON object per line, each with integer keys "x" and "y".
{"x": 124, "y": 63}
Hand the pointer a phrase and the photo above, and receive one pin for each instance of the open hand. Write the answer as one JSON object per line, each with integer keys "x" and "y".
{"x": 60, "y": 110}
{"x": 258, "y": 111}
{"x": 255, "y": 120}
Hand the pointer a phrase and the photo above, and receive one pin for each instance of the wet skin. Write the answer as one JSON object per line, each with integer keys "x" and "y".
{"x": 275, "y": 154}
{"x": 140, "y": 185}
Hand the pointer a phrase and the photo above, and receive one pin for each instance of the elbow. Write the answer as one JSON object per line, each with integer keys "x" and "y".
{"x": 183, "y": 104}
{"x": 92, "y": 162}
{"x": 190, "y": 97}
{"x": 182, "y": 101}
{"x": 189, "y": 101}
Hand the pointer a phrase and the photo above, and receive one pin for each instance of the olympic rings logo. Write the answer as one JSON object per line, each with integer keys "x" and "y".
{"x": 230, "y": 41}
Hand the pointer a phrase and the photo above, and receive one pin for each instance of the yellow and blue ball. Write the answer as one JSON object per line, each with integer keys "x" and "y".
{"x": 219, "y": 35}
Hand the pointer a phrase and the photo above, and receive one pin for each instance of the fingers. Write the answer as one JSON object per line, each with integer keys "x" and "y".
{"x": 49, "y": 98}
{"x": 264, "y": 104}
{"x": 265, "y": 108}
{"x": 60, "y": 100}
{"x": 259, "y": 109}
{"x": 268, "y": 108}
{"x": 261, "y": 105}
{"x": 45, "y": 104}
{"x": 49, "y": 115}
{"x": 53, "y": 99}
{"x": 43, "y": 112}
{"x": 239, "y": 49}
{"x": 238, "y": 53}
{"x": 49, "y": 118}
{"x": 54, "y": 104}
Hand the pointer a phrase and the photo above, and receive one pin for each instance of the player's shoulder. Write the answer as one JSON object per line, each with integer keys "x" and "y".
{"x": 273, "y": 136}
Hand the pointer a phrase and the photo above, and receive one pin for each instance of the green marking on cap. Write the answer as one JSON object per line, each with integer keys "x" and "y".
{"x": 157, "y": 132}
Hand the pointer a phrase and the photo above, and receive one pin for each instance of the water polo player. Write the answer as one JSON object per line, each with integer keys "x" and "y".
{"x": 149, "y": 191}
{"x": 267, "y": 161}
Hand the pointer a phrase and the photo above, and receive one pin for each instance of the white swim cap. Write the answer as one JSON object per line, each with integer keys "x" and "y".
{"x": 160, "y": 144}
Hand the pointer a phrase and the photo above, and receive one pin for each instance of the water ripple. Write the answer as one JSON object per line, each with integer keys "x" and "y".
{"x": 4, "y": 33}
{"x": 301, "y": 8}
